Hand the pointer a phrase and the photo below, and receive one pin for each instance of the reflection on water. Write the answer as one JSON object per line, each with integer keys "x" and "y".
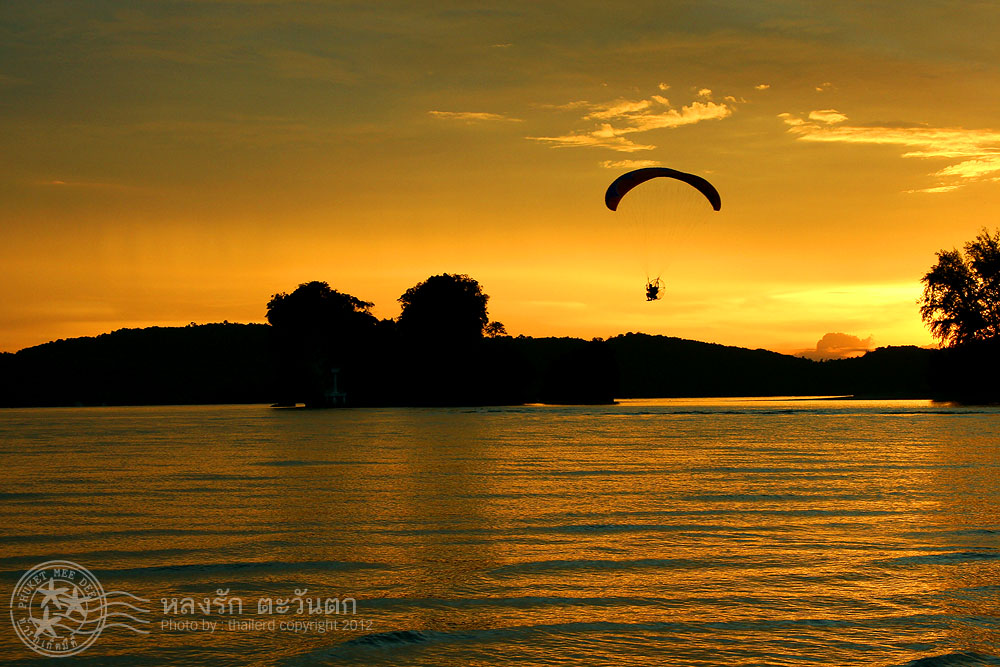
{"x": 677, "y": 532}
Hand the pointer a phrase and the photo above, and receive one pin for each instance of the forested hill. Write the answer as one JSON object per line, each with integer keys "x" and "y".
{"x": 661, "y": 366}
{"x": 234, "y": 363}
{"x": 211, "y": 363}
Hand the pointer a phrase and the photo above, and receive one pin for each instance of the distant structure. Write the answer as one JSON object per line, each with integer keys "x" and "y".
{"x": 333, "y": 397}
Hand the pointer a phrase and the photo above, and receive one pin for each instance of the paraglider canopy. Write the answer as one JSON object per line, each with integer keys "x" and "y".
{"x": 659, "y": 212}
{"x": 621, "y": 185}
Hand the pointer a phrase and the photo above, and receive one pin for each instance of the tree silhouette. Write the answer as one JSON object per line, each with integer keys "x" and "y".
{"x": 317, "y": 329}
{"x": 444, "y": 359}
{"x": 495, "y": 330}
{"x": 961, "y": 298}
{"x": 316, "y": 307}
{"x": 444, "y": 309}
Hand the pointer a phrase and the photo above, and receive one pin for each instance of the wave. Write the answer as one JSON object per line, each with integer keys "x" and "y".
{"x": 108, "y": 534}
{"x": 222, "y": 477}
{"x": 970, "y": 659}
{"x": 389, "y": 645}
{"x": 611, "y": 528}
{"x": 630, "y": 564}
{"x": 951, "y": 557}
{"x": 244, "y": 567}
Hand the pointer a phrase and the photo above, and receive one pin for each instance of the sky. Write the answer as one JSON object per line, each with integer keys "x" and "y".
{"x": 171, "y": 162}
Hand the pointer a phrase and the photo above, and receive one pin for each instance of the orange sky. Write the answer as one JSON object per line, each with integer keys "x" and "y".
{"x": 184, "y": 161}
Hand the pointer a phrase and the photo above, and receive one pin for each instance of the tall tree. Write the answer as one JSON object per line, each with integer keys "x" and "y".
{"x": 961, "y": 298}
{"x": 444, "y": 309}
{"x": 318, "y": 329}
{"x": 317, "y": 311}
{"x": 446, "y": 359}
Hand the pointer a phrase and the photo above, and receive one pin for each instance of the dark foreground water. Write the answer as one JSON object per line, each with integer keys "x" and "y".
{"x": 733, "y": 532}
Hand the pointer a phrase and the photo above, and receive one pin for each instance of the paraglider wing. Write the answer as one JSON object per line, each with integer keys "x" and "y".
{"x": 621, "y": 185}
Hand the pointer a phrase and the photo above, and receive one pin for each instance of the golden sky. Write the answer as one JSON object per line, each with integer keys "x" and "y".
{"x": 171, "y": 162}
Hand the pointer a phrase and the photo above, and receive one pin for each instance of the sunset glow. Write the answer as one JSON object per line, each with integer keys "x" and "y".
{"x": 184, "y": 161}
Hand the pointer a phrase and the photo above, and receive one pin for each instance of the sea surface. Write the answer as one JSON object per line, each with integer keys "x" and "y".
{"x": 667, "y": 532}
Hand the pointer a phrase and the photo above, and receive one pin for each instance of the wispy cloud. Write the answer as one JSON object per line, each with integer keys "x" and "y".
{"x": 976, "y": 153}
{"x": 688, "y": 115}
{"x": 89, "y": 185}
{"x": 828, "y": 116}
{"x": 605, "y": 136}
{"x": 576, "y": 104}
{"x": 471, "y": 116}
{"x": 762, "y": 86}
{"x": 629, "y": 164}
{"x": 934, "y": 190}
{"x": 620, "y": 118}
{"x": 619, "y": 109}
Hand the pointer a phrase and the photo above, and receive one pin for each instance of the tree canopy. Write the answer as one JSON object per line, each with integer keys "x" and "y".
{"x": 961, "y": 298}
{"x": 317, "y": 331}
{"x": 444, "y": 308}
{"x": 317, "y": 306}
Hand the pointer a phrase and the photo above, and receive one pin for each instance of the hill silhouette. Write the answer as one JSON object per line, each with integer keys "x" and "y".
{"x": 210, "y": 363}
{"x": 237, "y": 363}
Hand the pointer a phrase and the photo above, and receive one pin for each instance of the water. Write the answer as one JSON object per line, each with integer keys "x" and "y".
{"x": 679, "y": 532}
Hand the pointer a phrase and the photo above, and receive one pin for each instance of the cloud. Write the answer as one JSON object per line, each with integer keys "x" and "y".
{"x": 577, "y": 104}
{"x": 972, "y": 168}
{"x": 789, "y": 119}
{"x": 471, "y": 116}
{"x": 629, "y": 164}
{"x": 828, "y": 116}
{"x": 635, "y": 116}
{"x": 762, "y": 86}
{"x": 89, "y": 185}
{"x": 934, "y": 190}
{"x": 838, "y": 346}
{"x": 705, "y": 92}
{"x": 975, "y": 153}
{"x": 619, "y": 109}
{"x": 823, "y": 87}
{"x": 693, "y": 113}
{"x": 603, "y": 137}
{"x": 663, "y": 86}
